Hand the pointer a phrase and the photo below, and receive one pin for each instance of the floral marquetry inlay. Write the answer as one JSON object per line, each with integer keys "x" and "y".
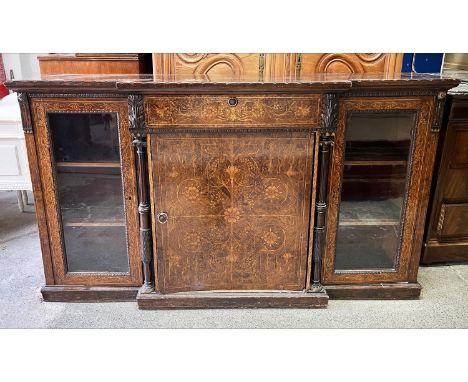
{"x": 272, "y": 192}
{"x": 239, "y": 209}
{"x": 232, "y": 215}
{"x": 268, "y": 111}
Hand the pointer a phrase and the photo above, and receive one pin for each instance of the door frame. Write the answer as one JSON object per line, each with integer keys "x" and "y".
{"x": 421, "y": 159}
{"x": 40, "y": 107}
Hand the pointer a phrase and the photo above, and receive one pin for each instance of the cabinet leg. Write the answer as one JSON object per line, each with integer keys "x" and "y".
{"x": 24, "y": 195}
{"x": 19, "y": 195}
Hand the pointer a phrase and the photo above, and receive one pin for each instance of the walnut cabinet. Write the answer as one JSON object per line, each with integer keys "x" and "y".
{"x": 446, "y": 236}
{"x": 190, "y": 192}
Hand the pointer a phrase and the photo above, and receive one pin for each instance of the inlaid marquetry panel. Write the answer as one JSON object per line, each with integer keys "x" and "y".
{"x": 238, "y": 209}
{"x": 199, "y": 111}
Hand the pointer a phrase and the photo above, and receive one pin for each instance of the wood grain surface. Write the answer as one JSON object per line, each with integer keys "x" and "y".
{"x": 422, "y": 154}
{"x": 238, "y": 210}
{"x": 250, "y": 110}
{"x": 40, "y": 108}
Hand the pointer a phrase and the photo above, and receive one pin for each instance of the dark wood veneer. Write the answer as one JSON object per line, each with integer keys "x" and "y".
{"x": 226, "y": 300}
{"x": 397, "y": 291}
{"x": 446, "y": 236}
{"x": 80, "y": 293}
{"x": 293, "y": 265}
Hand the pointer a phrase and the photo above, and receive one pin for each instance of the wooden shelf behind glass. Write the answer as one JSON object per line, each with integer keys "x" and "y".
{"x": 370, "y": 213}
{"x": 88, "y": 164}
{"x": 95, "y": 224}
{"x": 375, "y": 163}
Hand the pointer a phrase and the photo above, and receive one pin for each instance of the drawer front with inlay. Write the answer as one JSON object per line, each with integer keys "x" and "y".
{"x": 452, "y": 220}
{"x": 193, "y": 111}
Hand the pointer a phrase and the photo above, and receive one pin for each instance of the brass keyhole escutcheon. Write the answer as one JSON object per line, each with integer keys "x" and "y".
{"x": 233, "y": 101}
{"x": 162, "y": 218}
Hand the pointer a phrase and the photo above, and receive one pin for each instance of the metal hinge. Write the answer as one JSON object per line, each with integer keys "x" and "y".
{"x": 261, "y": 66}
{"x": 298, "y": 65}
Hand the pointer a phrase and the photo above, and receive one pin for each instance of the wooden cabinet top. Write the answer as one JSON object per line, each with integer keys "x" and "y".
{"x": 202, "y": 84}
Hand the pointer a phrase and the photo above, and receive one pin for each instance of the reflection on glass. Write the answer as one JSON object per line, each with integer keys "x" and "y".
{"x": 372, "y": 195}
{"x": 89, "y": 182}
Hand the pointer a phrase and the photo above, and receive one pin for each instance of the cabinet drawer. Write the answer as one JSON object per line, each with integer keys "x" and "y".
{"x": 231, "y": 111}
{"x": 459, "y": 110}
{"x": 459, "y": 151}
{"x": 453, "y": 220}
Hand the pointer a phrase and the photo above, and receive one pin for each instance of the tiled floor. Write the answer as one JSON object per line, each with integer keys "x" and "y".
{"x": 443, "y": 304}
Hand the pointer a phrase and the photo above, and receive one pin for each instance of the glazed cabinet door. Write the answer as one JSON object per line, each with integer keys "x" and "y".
{"x": 232, "y": 209}
{"x": 88, "y": 182}
{"x": 379, "y": 185}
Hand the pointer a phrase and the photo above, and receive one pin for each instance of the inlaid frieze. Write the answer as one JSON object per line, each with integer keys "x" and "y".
{"x": 242, "y": 110}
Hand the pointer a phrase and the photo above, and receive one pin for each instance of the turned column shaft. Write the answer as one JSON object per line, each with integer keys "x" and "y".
{"x": 138, "y": 130}
{"x": 321, "y": 208}
{"x": 328, "y": 124}
{"x": 143, "y": 211}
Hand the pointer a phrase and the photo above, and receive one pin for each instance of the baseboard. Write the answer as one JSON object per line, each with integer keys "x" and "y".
{"x": 223, "y": 300}
{"x": 79, "y": 293}
{"x": 401, "y": 291}
{"x": 444, "y": 252}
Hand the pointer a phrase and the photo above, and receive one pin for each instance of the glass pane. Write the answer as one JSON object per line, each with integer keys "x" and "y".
{"x": 83, "y": 137}
{"x": 372, "y": 195}
{"x": 89, "y": 183}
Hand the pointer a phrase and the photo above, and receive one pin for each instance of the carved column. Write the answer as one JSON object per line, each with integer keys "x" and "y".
{"x": 328, "y": 120}
{"x": 439, "y": 112}
{"x": 137, "y": 128}
{"x": 326, "y": 141}
{"x": 25, "y": 112}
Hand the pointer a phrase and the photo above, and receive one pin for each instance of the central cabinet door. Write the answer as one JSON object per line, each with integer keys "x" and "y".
{"x": 231, "y": 208}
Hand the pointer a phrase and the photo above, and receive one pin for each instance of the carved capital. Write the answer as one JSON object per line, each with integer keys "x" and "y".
{"x": 136, "y": 115}
{"x": 329, "y": 112}
{"x": 439, "y": 112}
{"x": 326, "y": 141}
{"x": 25, "y": 112}
{"x": 140, "y": 145}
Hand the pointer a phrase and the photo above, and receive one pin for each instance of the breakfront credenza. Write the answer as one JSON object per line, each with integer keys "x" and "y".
{"x": 188, "y": 192}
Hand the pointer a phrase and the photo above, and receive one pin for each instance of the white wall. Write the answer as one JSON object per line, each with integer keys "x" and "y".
{"x": 24, "y": 65}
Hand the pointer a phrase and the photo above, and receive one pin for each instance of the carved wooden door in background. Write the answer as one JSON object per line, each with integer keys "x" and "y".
{"x": 273, "y": 66}
{"x": 238, "y": 209}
